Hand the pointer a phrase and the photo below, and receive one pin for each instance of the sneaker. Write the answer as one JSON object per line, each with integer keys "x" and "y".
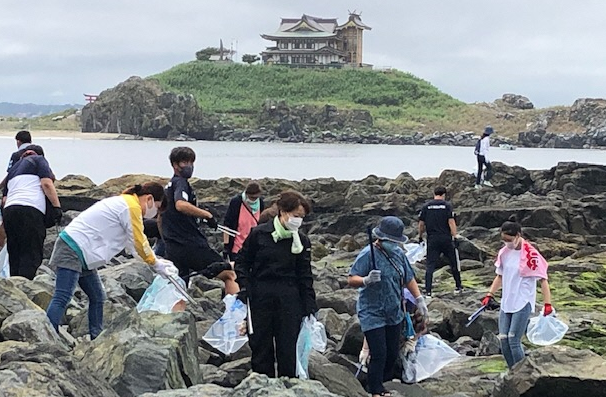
{"x": 487, "y": 183}
{"x": 458, "y": 291}
{"x": 478, "y": 187}
{"x": 428, "y": 294}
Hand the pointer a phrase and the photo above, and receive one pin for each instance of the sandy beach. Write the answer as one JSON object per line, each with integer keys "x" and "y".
{"x": 36, "y": 134}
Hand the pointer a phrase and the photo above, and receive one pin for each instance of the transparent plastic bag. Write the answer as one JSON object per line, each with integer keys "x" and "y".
{"x": 545, "y": 330}
{"x": 409, "y": 365}
{"x": 5, "y": 270}
{"x": 432, "y": 354}
{"x": 311, "y": 336}
{"x": 161, "y": 296}
{"x": 415, "y": 252}
{"x": 224, "y": 334}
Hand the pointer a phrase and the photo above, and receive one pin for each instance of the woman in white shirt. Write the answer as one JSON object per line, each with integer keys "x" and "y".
{"x": 482, "y": 157}
{"x": 518, "y": 266}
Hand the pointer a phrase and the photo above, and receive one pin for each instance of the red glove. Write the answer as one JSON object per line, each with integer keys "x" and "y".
{"x": 547, "y": 309}
{"x": 486, "y": 300}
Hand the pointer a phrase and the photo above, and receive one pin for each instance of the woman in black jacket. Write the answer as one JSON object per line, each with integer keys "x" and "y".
{"x": 274, "y": 273}
{"x": 242, "y": 215}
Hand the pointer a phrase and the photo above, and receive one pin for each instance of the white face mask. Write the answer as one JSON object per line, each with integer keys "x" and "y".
{"x": 294, "y": 223}
{"x": 512, "y": 244}
{"x": 150, "y": 212}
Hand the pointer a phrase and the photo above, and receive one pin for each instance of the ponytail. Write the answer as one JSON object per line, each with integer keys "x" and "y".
{"x": 511, "y": 227}
{"x": 153, "y": 188}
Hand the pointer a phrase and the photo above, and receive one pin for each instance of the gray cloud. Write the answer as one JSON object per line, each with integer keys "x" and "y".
{"x": 475, "y": 50}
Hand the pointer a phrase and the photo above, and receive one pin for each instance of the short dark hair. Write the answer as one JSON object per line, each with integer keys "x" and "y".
{"x": 511, "y": 227}
{"x": 24, "y": 136}
{"x": 268, "y": 214}
{"x": 253, "y": 187}
{"x": 439, "y": 191}
{"x": 290, "y": 200}
{"x": 181, "y": 153}
{"x": 33, "y": 148}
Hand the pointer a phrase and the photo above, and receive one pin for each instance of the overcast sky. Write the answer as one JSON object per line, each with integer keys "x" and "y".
{"x": 553, "y": 51}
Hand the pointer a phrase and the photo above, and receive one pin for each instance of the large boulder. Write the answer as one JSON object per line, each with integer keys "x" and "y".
{"x": 145, "y": 352}
{"x": 12, "y": 300}
{"x": 46, "y": 370}
{"x": 517, "y": 101}
{"x": 555, "y": 371}
{"x": 337, "y": 378}
{"x": 31, "y": 326}
{"x": 140, "y": 107}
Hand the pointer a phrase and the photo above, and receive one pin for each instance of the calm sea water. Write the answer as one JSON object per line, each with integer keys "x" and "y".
{"x": 101, "y": 160}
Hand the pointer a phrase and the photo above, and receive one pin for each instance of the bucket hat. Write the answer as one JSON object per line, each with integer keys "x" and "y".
{"x": 391, "y": 228}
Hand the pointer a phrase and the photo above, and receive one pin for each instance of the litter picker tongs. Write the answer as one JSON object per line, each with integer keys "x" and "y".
{"x": 181, "y": 290}
{"x": 474, "y": 316}
{"x": 226, "y": 230}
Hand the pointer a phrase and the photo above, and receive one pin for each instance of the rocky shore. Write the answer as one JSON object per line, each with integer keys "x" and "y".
{"x": 140, "y": 108}
{"x": 562, "y": 211}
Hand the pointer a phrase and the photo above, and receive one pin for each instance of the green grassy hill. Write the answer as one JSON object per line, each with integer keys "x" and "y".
{"x": 394, "y": 98}
{"x": 398, "y": 101}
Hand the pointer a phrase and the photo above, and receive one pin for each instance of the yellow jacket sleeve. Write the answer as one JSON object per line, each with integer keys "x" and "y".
{"x": 139, "y": 239}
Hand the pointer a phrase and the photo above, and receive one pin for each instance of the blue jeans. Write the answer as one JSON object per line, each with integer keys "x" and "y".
{"x": 91, "y": 284}
{"x": 512, "y": 327}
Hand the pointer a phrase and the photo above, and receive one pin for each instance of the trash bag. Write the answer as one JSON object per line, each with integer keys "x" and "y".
{"x": 545, "y": 330}
{"x": 224, "y": 334}
{"x": 311, "y": 336}
{"x": 5, "y": 270}
{"x": 415, "y": 252}
{"x": 409, "y": 365}
{"x": 161, "y": 296}
{"x": 432, "y": 354}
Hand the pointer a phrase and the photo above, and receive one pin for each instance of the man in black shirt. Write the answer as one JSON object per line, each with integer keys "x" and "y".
{"x": 186, "y": 245}
{"x": 437, "y": 218}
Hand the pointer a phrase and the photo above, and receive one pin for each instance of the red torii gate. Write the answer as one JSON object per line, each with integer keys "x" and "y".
{"x": 90, "y": 97}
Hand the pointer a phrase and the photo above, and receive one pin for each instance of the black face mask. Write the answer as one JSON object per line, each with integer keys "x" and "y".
{"x": 187, "y": 171}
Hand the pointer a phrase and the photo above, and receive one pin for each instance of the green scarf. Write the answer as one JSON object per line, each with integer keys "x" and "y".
{"x": 254, "y": 205}
{"x": 280, "y": 233}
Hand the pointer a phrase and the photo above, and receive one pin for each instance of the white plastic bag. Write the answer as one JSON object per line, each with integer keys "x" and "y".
{"x": 415, "y": 252}
{"x": 161, "y": 296}
{"x": 545, "y": 330}
{"x": 224, "y": 334}
{"x": 432, "y": 354}
{"x": 311, "y": 336}
{"x": 5, "y": 270}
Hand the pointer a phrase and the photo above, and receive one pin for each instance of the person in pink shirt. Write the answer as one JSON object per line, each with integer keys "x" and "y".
{"x": 519, "y": 266}
{"x": 242, "y": 215}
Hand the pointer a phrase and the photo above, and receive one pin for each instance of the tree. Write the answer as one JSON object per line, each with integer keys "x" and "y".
{"x": 204, "y": 54}
{"x": 250, "y": 58}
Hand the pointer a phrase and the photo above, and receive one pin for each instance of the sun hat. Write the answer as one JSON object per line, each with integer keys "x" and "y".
{"x": 391, "y": 228}
{"x": 488, "y": 130}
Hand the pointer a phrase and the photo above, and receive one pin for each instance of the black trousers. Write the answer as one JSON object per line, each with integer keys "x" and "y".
{"x": 276, "y": 317}
{"x": 436, "y": 245}
{"x": 25, "y": 234}
{"x": 197, "y": 258}
{"x": 481, "y": 163}
{"x": 384, "y": 346}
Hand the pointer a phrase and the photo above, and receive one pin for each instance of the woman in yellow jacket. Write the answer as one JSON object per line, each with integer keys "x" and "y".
{"x": 93, "y": 238}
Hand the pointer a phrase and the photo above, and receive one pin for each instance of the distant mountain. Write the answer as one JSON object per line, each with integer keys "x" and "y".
{"x": 32, "y": 110}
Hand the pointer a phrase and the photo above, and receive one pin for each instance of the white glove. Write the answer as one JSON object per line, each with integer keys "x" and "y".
{"x": 373, "y": 277}
{"x": 364, "y": 356}
{"x": 165, "y": 268}
{"x": 409, "y": 346}
{"x": 422, "y": 306}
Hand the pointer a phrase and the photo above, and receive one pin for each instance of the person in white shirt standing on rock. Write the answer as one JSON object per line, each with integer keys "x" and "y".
{"x": 482, "y": 157}
{"x": 518, "y": 266}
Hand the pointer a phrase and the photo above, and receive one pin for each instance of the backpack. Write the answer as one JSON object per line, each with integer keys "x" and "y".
{"x": 476, "y": 150}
